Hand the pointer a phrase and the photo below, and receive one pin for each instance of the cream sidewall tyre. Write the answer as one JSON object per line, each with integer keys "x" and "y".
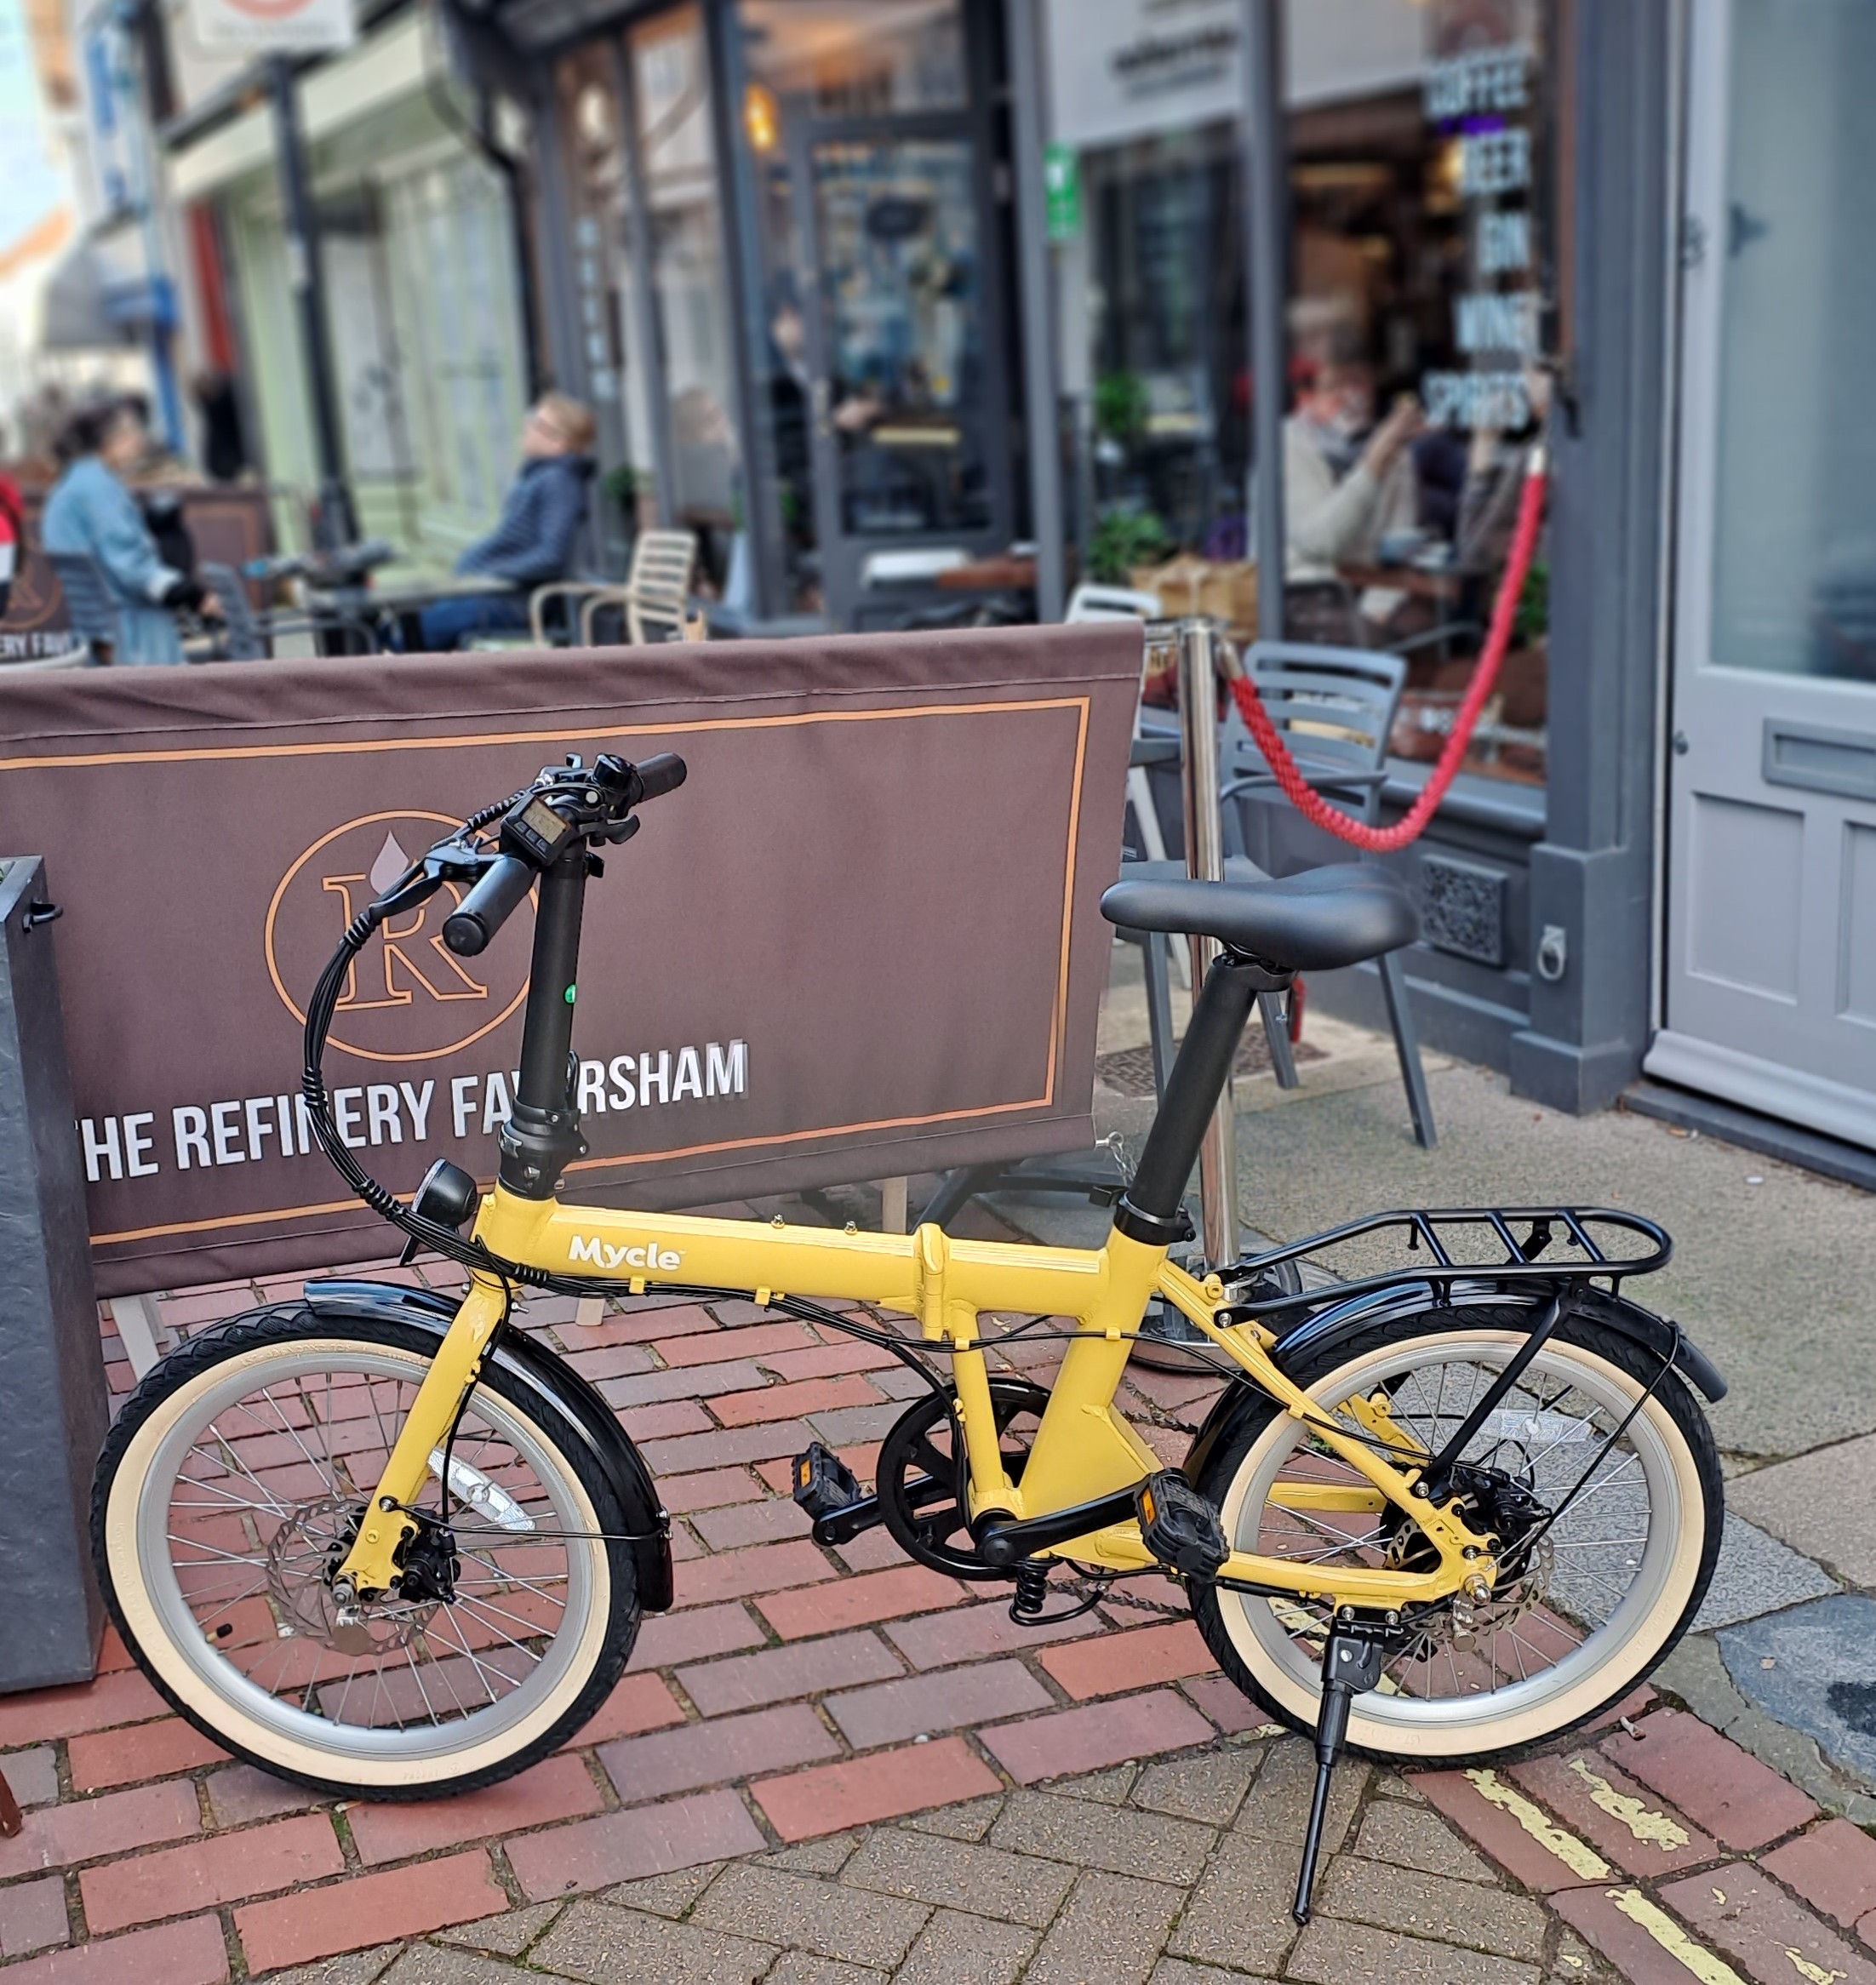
{"x": 1670, "y": 1569}
{"x": 221, "y": 1709}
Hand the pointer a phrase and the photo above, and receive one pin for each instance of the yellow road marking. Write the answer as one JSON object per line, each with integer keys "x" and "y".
{"x": 1675, "y": 1941}
{"x": 1815, "y": 1973}
{"x": 1653, "y": 1828}
{"x": 1577, "y": 1855}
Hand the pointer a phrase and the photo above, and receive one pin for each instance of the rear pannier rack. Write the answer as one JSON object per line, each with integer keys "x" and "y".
{"x": 1480, "y": 1246}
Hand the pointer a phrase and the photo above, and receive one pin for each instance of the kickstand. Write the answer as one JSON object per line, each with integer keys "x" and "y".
{"x": 1352, "y": 1661}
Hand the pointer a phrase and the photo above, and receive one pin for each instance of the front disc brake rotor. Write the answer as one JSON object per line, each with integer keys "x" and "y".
{"x": 921, "y": 1486}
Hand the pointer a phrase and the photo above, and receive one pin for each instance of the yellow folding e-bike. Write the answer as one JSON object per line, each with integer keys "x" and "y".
{"x": 379, "y": 1542}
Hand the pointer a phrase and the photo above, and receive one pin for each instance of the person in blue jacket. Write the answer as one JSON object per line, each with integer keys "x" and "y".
{"x": 541, "y": 518}
{"x": 90, "y": 510}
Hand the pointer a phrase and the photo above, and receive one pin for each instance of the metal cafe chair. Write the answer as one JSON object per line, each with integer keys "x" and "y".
{"x": 1335, "y": 707}
{"x": 249, "y": 636}
{"x": 89, "y": 607}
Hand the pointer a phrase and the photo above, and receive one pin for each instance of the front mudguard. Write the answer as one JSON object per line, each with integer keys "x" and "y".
{"x": 1337, "y": 1322}
{"x": 560, "y": 1386}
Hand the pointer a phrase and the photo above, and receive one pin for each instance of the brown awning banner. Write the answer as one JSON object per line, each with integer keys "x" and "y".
{"x": 863, "y": 939}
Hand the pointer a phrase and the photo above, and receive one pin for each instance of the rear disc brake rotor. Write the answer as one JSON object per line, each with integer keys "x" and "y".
{"x": 921, "y": 1486}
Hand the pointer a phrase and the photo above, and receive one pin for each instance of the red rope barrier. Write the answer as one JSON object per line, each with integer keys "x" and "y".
{"x": 1311, "y": 804}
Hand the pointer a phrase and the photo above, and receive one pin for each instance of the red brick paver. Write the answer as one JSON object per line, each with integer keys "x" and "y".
{"x": 1717, "y": 1786}
{"x": 87, "y": 1829}
{"x": 1103, "y": 1733}
{"x": 179, "y": 1954}
{"x": 1758, "y": 1925}
{"x": 1832, "y": 1867}
{"x": 839, "y": 1796}
{"x": 369, "y": 1909}
{"x": 562, "y": 1788}
{"x": 618, "y": 1847}
{"x": 708, "y": 1753}
{"x": 146, "y": 1750}
{"x": 177, "y": 1880}
{"x": 1135, "y": 1660}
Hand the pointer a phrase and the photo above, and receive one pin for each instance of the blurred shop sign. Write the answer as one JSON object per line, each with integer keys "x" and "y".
{"x": 1124, "y": 68}
{"x": 1118, "y": 69}
{"x": 273, "y": 26}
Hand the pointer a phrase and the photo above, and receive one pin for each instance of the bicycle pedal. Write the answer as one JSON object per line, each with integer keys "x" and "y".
{"x": 824, "y": 1484}
{"x": 1178, "y": 1525}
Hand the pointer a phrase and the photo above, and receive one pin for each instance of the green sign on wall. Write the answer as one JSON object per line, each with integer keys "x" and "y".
{"x": 1061, "y": 182}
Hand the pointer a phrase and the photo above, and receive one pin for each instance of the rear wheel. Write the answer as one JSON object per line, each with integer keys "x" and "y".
{"x": 1584, "y": 1611}
{"x": 227, "y": 1496}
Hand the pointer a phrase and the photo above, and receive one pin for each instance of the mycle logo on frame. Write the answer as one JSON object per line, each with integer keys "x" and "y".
{"x": 604, "y": 1255}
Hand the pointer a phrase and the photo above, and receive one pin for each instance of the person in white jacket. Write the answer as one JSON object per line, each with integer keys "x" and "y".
{"x": 1346, "y": 482}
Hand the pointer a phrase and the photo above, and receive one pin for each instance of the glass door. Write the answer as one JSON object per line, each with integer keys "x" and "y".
{"x": 1771, "y": 984}
{"x": 886, "y": 410}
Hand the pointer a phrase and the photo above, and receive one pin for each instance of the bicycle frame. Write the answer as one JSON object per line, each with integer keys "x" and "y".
{"x": 1084, "y": 1450}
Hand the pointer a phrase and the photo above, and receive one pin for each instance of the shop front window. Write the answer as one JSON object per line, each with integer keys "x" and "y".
{"x": 1413, "y": 317}
{"x": 684, "y": 199}
{"x": 587, "y": 82}
{"x": 1416, "y": 320}
{"x": 873, "y": 276}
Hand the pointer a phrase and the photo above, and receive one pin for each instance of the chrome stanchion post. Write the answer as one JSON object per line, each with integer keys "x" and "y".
{"x": 1205, "y": 862}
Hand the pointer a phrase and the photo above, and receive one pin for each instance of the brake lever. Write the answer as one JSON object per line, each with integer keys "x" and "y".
{"x": 451, "y": 860}
{"x": 619, "y": 831}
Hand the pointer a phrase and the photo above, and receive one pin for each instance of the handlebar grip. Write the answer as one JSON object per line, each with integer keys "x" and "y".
{"x": 472, "y": 926}
{"x": 664, "y": 772}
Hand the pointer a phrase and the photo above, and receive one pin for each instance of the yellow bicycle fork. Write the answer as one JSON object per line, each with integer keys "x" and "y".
{"x": 1084, "y": 1449}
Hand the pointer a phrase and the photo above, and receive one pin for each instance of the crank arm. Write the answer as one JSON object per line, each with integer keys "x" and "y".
{"x": 867, "y": 1512}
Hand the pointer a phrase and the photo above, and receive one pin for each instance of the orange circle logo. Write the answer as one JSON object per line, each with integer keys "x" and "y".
{"x": 408, "y": 997}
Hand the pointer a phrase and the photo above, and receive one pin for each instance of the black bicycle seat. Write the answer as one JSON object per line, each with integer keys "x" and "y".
{"x": 1314, "y": 921}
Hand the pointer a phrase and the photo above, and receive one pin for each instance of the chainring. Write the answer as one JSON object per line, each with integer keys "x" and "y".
{"x": 921, "y": 1487}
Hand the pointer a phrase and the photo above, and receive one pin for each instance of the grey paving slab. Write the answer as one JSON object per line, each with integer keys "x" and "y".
{"x": 794, "y": 1909}
{"x": 1821, "y": 1504}
{"x": 1813, "y": 1669}
{"x": 1756, "y": 1574}
{"x": 626, "y": 1947}
{"x": 1110, "y": 1933}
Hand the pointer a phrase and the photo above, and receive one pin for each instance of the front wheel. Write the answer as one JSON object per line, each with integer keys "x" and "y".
{"x": 227, "y": 1494}
{"x": 1583, "y": 1613}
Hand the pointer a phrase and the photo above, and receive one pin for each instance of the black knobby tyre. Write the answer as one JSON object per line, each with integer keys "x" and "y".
{"x": 1267, "y": 1654}
{"x": 216, "y": 1703}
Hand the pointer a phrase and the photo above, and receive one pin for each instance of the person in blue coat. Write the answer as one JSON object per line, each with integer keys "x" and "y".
{"x": 90, "y": 511}
{"x": 541, "y": 518}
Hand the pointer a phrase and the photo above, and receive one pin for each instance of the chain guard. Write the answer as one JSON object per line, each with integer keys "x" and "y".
{"x": 921, "y": 1488}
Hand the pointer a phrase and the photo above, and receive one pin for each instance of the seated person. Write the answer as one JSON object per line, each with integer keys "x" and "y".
{"x": 540, "y": 517}
{"x": 90, "y": 512}
{"x": 1342, "y": 493}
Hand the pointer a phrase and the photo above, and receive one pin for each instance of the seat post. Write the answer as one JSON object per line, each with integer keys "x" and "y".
{"x": 1149, "y": 1209}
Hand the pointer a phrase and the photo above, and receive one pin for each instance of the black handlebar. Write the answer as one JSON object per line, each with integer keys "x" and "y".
{"x": 481, "y": 914}
{"x": 616, "y": 788}
{"x": 658, "y": 775}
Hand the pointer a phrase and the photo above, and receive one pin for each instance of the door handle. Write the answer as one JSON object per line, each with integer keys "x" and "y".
{"x": 822, "y": 394}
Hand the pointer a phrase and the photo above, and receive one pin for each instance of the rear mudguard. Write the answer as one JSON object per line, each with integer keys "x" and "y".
{"x": 557, "y": 1382}
{"x": 1343, "y": 1321}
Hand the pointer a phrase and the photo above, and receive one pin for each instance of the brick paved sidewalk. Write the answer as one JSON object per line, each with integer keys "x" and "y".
{"x": 820, "y": 1771}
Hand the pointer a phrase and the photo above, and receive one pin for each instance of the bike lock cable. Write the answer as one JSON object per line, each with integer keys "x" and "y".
{"x": 1290, "y": 777}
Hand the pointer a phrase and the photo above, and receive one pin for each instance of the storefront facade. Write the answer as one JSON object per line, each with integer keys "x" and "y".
{"x": 847, "y": 278}
{"x": 423, "y": 306}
